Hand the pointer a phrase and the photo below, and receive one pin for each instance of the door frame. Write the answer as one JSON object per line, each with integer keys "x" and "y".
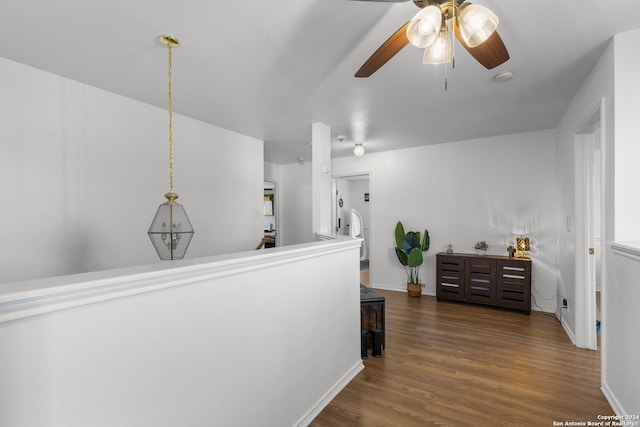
{"x": 334, "y": 206}
{"x": 585, "y": 143}
{"x": 276, "y": 210}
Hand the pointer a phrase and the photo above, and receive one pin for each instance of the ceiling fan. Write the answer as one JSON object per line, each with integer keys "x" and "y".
{"x": 473, "y": 25}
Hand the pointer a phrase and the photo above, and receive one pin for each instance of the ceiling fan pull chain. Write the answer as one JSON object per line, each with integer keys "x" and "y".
{"x": 453, "y": 44}
{"x": 445, "y": 76}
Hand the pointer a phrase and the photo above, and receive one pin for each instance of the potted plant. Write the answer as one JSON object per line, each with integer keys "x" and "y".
{"x": 409, "y": 250}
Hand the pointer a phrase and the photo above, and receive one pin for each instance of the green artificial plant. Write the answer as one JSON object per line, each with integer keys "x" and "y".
{"x": 409, "y": 250}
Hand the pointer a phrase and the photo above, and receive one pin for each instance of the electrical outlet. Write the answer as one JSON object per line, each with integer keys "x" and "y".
{"x": 564, "y": 302}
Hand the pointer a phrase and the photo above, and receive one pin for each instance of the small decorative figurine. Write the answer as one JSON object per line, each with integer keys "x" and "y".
{"x": 481, "y": 247}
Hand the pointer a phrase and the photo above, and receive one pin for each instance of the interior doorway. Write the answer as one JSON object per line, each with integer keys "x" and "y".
{"x": 271, "y": 215}
{"x": 350, "y": 215}
{"x": 589, "y": 220}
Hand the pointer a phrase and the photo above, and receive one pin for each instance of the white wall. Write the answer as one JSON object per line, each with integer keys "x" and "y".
{"x": 295, "y": 204}
{"x": 464, "y": 192}
{"x": 84, "y": 170}
{"x": 271, "y": 172}
{"x": 321, "y": 178}
{"x": 221, "y": 341}
{"x": 627, "y": 148}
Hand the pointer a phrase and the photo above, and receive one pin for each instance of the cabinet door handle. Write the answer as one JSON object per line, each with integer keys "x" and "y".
{"x": 592, "y": 251}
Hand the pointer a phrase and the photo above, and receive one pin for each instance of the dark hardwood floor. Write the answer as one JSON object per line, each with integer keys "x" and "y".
{"x": 450, "y": 364}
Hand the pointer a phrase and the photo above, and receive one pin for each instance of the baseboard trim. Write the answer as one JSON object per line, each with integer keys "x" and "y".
{"x": 426, "y": 292}
{"x": 330, "y": 395}
{"x": 566, "y": 328}
{"x": 387, "y": 287}
{"x": 615, "y": 404}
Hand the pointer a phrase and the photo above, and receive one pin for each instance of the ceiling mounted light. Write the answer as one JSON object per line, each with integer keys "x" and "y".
{"x": 476, "y": 23}
{"x": 170, "y": 230}
{"x": 359, "y": 149}
{"x": 424, "y": 27}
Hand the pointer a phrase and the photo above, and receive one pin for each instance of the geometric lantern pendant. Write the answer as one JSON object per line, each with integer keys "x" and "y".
{"x": 170, "y": 230}
{"x": 171, "y": 242}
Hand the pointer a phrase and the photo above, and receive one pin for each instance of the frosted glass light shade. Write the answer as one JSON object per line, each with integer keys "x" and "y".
{"x": 440, "y": 52}
{"x": 477, "y": 23}
{"x": 424, "y": 26}
{"x": 359, "y": 150}
{"x": 171, "y": 242}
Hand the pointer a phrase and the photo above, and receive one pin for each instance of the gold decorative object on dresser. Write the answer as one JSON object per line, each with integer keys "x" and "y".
{"x": 493, "y": 280}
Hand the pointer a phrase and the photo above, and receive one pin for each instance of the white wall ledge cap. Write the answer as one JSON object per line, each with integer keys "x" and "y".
{"x": 30, "y": 298}
{"x": 627, "y": 249}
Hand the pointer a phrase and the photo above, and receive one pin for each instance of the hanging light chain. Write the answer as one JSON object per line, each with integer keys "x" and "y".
{"x": 453, "y": 39}
{"x": 170, "y": 125}
{"x": 454, "y": 15}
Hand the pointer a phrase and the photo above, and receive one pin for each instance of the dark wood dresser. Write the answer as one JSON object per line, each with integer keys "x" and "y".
{"x": 494, "y": 280}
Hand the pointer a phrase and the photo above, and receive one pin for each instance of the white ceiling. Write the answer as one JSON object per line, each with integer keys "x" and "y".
{"x": 270, "y": 68}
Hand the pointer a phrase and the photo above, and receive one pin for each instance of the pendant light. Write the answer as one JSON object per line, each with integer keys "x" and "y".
{"x": 170, "y": 230}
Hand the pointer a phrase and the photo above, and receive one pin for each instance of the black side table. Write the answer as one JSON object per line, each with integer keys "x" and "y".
{"x": 371, "y": 313}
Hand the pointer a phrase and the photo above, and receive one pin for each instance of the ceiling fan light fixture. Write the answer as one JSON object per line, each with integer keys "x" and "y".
{"x": 424, "y": 26}
{"x": 477, "y": 24}
{"x": 440, "y": 52}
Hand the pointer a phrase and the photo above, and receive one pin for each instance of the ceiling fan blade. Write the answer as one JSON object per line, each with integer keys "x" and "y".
{"x": 393, "y": 45}
{"x": 491, "y": 53}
